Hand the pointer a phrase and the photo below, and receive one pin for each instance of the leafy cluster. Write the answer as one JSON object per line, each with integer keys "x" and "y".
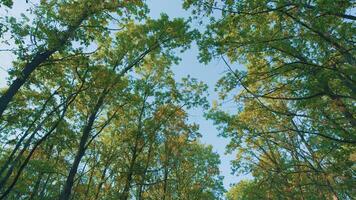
{"x": 92, "y": 109}
{"x": 294, "y": 125}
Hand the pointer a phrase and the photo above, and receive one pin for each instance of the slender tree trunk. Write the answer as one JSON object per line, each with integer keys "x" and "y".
{"x": 78, "y": 180}
{"x": 12, "y": 165}
{"x": 126, "y": 191}
{"x": 143, "y": 178}
{"x": 136, "y": 150}
{"x": 165, "y": 175}
{"x": 67, "y": 189}
{"x": 23, "y": 137}
{"x": 65, "y": 195}
{"x": 316, "y": 162}
{"x": 66, "y": 104}
{"x": 44, "y": 187}
{"x": 24, "y": 164}
{"x": 43, "y": 191}
{"x": 89, "y": 182}
{"x": 102, "y": 179}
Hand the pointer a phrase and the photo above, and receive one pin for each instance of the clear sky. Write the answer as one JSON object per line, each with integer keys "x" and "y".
{"x": 209, "y": 74}
{"x": 188, "y": 66}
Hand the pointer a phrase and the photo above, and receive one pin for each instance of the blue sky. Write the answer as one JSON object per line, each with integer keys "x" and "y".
{"x": 189, "y": 65}
{"x": 209, "y": 74}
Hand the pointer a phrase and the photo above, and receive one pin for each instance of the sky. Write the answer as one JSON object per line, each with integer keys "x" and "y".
{"x": 209, "y": 74}
{"x": 189, "y": 65}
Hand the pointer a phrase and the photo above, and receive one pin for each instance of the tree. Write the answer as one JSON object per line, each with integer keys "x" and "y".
{"x": 56, "y": 25}
{"x": 295, "y": 121}
{"x": 99, "y": 114}
{"x": 248, "y": 190}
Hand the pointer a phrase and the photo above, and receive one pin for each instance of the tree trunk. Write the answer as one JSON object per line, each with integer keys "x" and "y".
{"x": 37, "y": 60}
{"x": 102, "y": 179}
{"x": 143, "y": 178}
{"x": 65, "y": 195}
{"x": 67, "y": 189}
{"x": 20, "y": 80}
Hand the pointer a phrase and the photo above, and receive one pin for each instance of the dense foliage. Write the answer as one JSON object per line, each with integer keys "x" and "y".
{"x": 294, "y": 129}
{"x": 92, "y": 109}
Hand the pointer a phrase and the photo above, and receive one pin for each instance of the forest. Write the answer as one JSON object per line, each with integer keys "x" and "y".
{"x": 91, "y": 108}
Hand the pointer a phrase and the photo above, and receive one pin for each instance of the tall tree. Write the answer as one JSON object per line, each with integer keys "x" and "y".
{"x": 54, "y": 28}
{"x": 294, "y": 128}
{"x": 102, "y": 116}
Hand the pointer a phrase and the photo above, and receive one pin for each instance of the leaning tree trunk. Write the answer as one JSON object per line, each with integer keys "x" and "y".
{"x": 37, "y": 60}
{"x": 66, "y": 192}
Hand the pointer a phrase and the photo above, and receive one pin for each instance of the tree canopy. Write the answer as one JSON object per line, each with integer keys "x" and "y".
{"x": 92, "y": 108}
{"x": 294, "y": 129}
